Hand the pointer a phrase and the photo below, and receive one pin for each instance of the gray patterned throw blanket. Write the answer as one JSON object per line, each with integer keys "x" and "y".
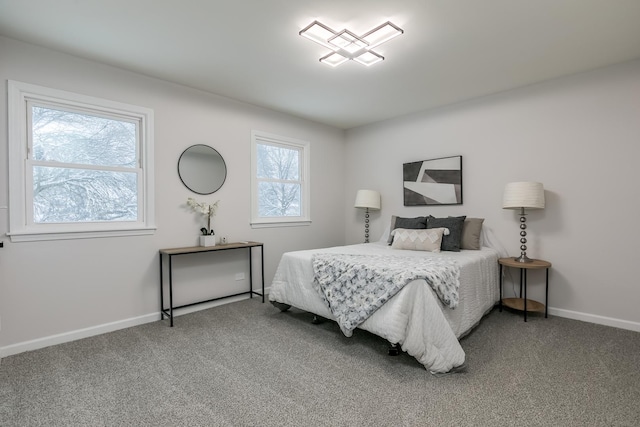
{"x": 355, "y": 286}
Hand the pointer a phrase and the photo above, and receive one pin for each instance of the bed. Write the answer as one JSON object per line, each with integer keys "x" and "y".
{"x": 415, "y": 318}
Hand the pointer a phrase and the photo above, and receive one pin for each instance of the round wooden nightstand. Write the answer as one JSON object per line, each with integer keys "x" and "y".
{"x": 522, "y": 303}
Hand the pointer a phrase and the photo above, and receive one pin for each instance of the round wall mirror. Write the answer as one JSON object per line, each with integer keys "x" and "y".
{"x": 202, "y": 169}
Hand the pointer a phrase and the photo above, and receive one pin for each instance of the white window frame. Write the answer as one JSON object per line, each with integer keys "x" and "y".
{"x": 304, "y": 147}
{"x": 21, "y": 226}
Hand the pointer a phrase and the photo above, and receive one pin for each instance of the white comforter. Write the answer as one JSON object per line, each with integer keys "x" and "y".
{"x": 414, "y": 318}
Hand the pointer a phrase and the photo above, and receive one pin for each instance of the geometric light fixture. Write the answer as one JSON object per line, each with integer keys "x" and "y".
{"x": 346, "y": 45}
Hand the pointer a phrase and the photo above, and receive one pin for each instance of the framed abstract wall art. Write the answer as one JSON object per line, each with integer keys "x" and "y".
{"x": 433, "y": 182}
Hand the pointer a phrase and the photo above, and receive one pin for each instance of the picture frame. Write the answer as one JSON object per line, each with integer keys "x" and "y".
{"x": 433, "y": 182}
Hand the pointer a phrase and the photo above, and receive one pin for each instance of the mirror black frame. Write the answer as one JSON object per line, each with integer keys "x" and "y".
{"x": 192, "y": 185}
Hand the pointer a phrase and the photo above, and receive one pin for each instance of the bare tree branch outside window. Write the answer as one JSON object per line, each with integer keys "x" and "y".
{"x": 279, "y": 183}
{"x": 84, "y": 167}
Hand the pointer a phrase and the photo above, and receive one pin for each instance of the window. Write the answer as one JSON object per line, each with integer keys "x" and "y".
{"x": 78, "y": 166}
{"x": 280, "y": 180}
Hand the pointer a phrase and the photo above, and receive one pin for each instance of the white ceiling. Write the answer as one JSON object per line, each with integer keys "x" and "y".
{"x": 250, "y": 50}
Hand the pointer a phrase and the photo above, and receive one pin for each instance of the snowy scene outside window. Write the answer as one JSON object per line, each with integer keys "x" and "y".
{"x": 84, "y": 167}
{"x": 280, "y": 180}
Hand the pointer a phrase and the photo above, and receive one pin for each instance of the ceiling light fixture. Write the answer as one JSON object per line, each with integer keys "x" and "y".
{"x": 346, "y": 45}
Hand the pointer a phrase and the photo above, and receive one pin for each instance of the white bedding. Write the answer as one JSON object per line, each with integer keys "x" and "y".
{"x": 414, "y": 318}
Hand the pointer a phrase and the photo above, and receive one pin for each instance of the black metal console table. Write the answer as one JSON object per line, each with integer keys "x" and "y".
{"x": 170, "y": 253}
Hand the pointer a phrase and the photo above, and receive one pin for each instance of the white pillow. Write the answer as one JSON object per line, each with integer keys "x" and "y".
{"x": 424, "y": 239}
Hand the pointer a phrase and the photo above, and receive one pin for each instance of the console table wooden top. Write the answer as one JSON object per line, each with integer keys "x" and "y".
{"x": 220, "y": 247}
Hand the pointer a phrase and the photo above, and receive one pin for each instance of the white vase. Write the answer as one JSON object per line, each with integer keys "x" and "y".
{"x": 208, "y": 240}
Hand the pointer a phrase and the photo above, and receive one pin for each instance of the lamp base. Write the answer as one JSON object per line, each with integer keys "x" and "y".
{"x": 366, "y": 226}
{"x": 523, "y": 239}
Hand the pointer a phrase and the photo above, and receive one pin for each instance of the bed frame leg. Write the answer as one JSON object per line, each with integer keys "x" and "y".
{"x": 394, "y": 349}
{"x": 281, "y": 306}
{"x": 316, "y": 320}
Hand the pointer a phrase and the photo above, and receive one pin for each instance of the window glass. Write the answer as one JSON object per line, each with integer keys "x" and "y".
{"x": 64, "y": 192}
{"x": 83, "y": 195}
{"x": 278, "y": 162}
{"x": 72, "y": 137}
{"x": 278, "y": 199}
{"x": 280, "y": 180}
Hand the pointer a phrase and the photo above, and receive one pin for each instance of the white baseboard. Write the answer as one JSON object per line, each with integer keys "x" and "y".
{"x": 108, "y": 327}
{"x": 134, "y": 321}
{"x": 77, "y": 334}
{"x": 593, "y": 318}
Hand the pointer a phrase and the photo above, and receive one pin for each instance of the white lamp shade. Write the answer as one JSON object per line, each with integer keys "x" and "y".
{"x": 367, "y": 199}
{"x": 523, "y": 195}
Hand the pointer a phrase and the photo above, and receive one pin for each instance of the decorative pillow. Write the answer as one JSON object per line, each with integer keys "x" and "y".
{"x": 454, "y": 224}
{"x": 471, "y": 230}
{"x": 408, "y": 223}
{"x": 418, "y": 239}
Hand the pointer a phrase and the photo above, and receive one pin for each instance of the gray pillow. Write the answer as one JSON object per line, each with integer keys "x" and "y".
{"x": 471, "y": 230}
{"x": 454, "y": 224}
{"x": 408, "y": 223}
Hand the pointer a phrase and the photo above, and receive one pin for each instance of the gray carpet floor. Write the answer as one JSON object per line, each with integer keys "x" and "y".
{"x": 248, "y": 364}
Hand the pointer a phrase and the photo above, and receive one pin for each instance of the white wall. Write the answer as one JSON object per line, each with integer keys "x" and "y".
{"x": 577, "y": 135}
{"x": 62, "y": 287}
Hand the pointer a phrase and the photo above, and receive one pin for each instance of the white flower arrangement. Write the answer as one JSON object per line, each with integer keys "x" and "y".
{"x": 206, "y": 209}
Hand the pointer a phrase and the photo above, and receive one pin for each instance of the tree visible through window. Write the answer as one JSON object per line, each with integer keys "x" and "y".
{"x": 280, "y": 179}
{"x": 84, "y": 167}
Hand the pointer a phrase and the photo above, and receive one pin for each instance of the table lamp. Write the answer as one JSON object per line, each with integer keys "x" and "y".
{"x": 523, "y": 195}
{"x": 367, "y": 199}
